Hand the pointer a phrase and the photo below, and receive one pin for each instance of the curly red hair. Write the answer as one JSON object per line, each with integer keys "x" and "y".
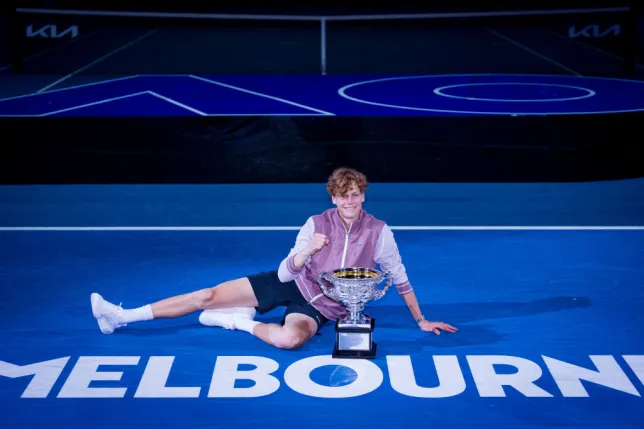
{"x": 343, "y": 178}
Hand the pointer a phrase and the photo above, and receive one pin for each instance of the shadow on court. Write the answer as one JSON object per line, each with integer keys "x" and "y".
{"x": 467, "y": 317}
{"x": 460, "y": 313}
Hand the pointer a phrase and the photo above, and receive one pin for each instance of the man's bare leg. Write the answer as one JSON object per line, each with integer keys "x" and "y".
{"x": 297, "y": 330}
{"x": 234, "y": 293}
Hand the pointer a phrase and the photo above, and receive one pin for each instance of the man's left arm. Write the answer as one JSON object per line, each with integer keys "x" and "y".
{"x": 388, "y": 256}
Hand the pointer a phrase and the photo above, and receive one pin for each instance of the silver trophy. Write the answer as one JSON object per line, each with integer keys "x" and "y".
{"x": 354, "y": 288}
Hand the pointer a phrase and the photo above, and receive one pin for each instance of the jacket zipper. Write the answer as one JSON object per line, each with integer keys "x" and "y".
{"x": 346, "y": 244}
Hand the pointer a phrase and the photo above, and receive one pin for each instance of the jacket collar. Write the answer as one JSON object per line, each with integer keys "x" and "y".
{"x": 354, "y": 226}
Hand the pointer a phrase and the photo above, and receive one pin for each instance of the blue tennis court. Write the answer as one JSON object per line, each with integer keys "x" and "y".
{"x": 345, "y": 95}
{"x": 543, "y": 282}
{"x": 308, "y": 59}
{"x": 154, "y": 153}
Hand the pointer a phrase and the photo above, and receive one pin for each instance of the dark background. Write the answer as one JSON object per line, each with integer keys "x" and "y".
{"x": 283, "y": 149}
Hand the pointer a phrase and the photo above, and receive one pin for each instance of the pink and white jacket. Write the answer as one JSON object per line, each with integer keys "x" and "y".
{"x": 369, "y": 241}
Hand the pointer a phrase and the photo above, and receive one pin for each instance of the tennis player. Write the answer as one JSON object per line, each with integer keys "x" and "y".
{"x": 344, "y": 236}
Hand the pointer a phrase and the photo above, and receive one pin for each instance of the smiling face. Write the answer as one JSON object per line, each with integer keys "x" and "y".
{"x": 349, "y": 204}
{"x": 346, "y": 187}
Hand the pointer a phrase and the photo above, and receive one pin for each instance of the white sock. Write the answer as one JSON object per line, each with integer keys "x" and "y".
{"x": 138, "y": 314}
{"x": 247, "y": 325}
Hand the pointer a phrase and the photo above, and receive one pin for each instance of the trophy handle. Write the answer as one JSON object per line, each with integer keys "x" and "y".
{"x": 328, "y": 291}
{"x": 388, "y": 282}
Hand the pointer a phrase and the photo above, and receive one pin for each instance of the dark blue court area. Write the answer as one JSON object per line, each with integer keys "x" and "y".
{"x": 346, "y": 95}
{"x": 306, "y": 59}
{"x": 543, "y": 281}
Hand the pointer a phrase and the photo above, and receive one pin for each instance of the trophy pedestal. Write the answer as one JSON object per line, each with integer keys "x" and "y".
{"x": 354, "y": 341}
{"x": 354, "y": 287}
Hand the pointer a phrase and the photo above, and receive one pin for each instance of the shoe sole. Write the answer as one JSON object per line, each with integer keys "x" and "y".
{"x": 94, "y": 299}
{"x": 103, "y": 325}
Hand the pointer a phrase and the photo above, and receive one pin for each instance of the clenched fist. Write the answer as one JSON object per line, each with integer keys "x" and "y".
{"x": 318, "y": 241}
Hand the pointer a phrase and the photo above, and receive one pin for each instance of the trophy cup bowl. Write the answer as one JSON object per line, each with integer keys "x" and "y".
{"x": 354, "y": 287}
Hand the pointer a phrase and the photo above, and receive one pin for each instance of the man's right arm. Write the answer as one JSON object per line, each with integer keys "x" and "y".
{"x": 297, "y": 257}
{"x": 300, "y": 258}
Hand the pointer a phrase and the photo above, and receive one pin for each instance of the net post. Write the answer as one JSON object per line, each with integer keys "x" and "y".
{"x": 16, "y": 42}
{"x": 323, "y": 45}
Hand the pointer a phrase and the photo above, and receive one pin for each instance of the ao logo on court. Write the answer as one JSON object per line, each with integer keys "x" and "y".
{"x": 367, "y": 377}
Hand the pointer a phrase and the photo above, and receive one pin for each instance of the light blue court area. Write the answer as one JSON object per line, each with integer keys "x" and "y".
{"x": 543, "y": 281}
{"x": 315, "y": 95}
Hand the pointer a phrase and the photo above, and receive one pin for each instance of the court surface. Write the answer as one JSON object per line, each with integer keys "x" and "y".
{"x": 138, "y": 67}
{"x": 342, "y": 95}
{"x": 543, "y": 281}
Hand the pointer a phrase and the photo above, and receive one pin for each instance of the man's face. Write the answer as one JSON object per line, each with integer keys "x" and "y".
{"x": 350, "y": 204}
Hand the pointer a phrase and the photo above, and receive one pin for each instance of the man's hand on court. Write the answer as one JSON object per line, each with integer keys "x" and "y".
{"x": 317, "y": 242}
{"x": 436, "y": 327}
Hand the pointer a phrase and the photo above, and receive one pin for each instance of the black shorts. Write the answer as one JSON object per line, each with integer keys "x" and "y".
{"x": 272, "y": 293}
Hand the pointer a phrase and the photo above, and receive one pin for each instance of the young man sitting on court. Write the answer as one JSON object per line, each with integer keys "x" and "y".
{"x": 345, "y": 236}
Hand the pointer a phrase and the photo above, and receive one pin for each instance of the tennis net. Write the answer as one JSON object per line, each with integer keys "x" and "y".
{"x": 597, "y": 41}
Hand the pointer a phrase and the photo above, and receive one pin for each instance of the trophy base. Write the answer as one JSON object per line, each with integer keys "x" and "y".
{"x": 355, "y": 354}
{"x": 354, "y": 341}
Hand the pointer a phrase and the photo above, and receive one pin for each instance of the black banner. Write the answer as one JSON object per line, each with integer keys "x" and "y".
{"x": 307, "y": 149}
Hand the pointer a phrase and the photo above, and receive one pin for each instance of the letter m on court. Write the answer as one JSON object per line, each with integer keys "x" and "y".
{"x": 44, "y": 375}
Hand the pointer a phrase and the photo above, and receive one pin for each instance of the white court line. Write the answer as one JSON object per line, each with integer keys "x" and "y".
{"x": 532, "y": 51}
{"x": 259, "y": 94}
{"x": 144, "y": 14}
{"x": 343, "y": 93}
{"x": 93, "y": 104}
{"x": 176, "y": 103}
{"x": 150, "y": 92}
{"x": 318, "y": 17}
{"x": 439, "y": 91}
{"x": 109, "y": 54}
{"x": 520, "y": 228}
{"x": 68, "y": 88}
{"x": 492, "y": 13}
{"x": 297, "y": 228}
{"x": 19, "y": 116}
{"x": 208, "y": 114}
{"x": 264, "y": 114}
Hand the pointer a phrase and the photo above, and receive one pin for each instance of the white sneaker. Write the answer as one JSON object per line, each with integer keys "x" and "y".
{"x": 108, "y": 315}
{"x": 225, "y": 317}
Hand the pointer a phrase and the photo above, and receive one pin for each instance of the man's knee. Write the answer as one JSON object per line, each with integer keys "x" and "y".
{"x": 204, "y": 298}
{"x": 289, "y": 337}
{"x": 233, "y": 293}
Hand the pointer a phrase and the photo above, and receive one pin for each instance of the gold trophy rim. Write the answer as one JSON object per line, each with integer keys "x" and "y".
{"x": 377, "y": 274}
